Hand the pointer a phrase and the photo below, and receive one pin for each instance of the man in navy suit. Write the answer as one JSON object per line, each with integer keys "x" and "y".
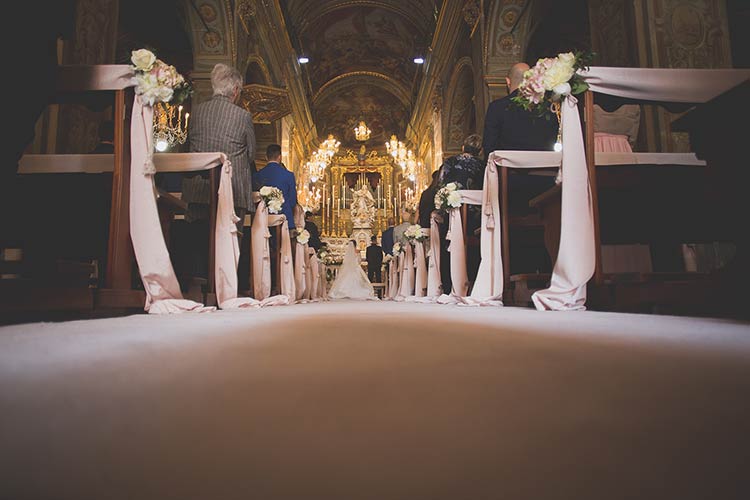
{"x": 386, "y": 240}
{"x": 276, "y": 175}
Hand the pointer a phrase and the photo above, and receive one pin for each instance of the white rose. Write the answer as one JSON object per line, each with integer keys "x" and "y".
{"x": 451, "y": 186}
{"x": 562, "y": 89}
{"x": 265, "y": 191}
{"x": 454, "y": 199}
{"x": 143, "y": 59}
{"x": 560, "y": 72}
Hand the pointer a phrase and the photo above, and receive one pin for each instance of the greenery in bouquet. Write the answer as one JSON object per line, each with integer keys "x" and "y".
{"x": 551, "y": 80}
{"x": 447, "y": 197}
{"x": 155, "y": 81}
{"x": 414, "y": 233}
{"x": 273, "y": 198}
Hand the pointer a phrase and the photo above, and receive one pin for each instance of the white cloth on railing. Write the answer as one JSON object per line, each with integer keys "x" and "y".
{"x": 488, "y": 285}
{"x": 420, "y": 266}
{"x": 163, "y": 293}
{"x": 259, "y": 240}
{"x": 457, "y": 245}
{"x": 406, "y": 281}
{"x": 300, "y": 256}
{"x": 393, "y": 276}
{"x": 664, "y": 85}
{"x": 434, "y": 279}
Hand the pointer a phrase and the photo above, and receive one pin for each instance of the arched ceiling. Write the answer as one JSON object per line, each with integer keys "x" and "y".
{"x": 361, "y": 61}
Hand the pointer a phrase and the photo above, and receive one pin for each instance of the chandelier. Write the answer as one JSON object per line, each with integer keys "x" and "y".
{"x": 330, "y": 146}
{"x": 309, "y": 199}
{"x": 169, "y": 127}
{"x": 403, "y": 157}
{"x": 361, "y": 131}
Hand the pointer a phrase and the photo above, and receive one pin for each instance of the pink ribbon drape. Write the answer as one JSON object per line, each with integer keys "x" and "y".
{"x": 434, "y": 279}
{"x": 406, "y": 283}
{"x": 163, "y": 293}
{"x": 259, "y": 236}
{"x": 576, "y": 257}
{"x": 420, "y": 264}
{"x": 488, "y": 286}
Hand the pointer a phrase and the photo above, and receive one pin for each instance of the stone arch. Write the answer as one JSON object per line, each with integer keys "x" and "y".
{"x": 256, "y": 71}
{"x": 460, "y": 111}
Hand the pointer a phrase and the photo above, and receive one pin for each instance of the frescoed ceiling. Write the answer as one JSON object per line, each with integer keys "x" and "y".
{"x": 361, "y": 61}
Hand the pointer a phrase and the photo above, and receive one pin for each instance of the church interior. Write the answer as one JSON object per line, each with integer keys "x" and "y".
{"x": 573, "y": 326}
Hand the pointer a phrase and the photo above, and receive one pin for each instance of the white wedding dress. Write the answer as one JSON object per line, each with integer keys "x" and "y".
{"x": 351, "y": 281}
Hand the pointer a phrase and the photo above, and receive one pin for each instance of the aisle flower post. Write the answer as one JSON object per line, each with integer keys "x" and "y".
{"x": 273, "y": 198}
{"x": 447, "y": 197}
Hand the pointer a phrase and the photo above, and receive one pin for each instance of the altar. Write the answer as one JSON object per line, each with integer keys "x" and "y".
{"x": 358, "y": 200}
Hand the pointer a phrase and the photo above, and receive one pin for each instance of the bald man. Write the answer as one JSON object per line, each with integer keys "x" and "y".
{"x": 509, "y": 128}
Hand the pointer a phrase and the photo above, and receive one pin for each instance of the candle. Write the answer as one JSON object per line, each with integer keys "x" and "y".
{"x": 187, "y": 117}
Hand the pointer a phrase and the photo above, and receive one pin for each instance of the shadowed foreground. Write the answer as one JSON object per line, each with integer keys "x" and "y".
{"x": 354, "y": 400}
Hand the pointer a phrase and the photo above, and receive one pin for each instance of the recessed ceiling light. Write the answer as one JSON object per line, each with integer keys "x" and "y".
{"x": 419, "y": 60}
{"x": 303, "y": 60}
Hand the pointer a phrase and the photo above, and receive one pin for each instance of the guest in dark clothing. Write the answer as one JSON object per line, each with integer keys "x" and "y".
{"x": 314, "y": 241}
{"x": 387, "y": 237}
{"x": 374, "y": 258}
{"x": 427, "y": 201}
{"x": 507, "y": 127}
{"x": 467, "y": 168}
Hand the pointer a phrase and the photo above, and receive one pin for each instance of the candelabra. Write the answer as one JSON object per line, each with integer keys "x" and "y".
{"x": 169, "y": 127}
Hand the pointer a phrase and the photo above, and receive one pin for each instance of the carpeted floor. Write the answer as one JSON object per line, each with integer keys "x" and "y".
{"x": 352, "y": 401}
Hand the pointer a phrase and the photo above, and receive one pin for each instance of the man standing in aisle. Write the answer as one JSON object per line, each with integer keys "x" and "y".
{"x": 276, "y": 175}
{"x": 374, "y": 261}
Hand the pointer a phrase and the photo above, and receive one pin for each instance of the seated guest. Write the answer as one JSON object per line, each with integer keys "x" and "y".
{"x": 386, "y": 240}
{"x": 276, "y": 175}
{"x": 427, "y": 201}
{"x": 398, "y": 231}
{"x": 507, "y": 127}
{"x": 314, "y": 241}
{"x": 510, "y": 128}
{"x": 465, "y": 169}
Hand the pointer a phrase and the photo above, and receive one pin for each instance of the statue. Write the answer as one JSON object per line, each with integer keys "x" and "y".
{"x": 363, "y": 207}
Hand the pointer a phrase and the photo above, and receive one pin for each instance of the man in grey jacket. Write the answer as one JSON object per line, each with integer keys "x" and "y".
{"x": 219, "y": 124}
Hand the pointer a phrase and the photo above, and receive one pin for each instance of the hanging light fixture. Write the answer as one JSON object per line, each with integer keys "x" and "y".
{"x": 330, "y": 146}
{"x": 361, "y": 131}
{"x": 169, "y": 126}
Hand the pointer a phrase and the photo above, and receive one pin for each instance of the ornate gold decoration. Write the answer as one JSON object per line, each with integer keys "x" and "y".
{"x": 472, "y": 13}
{"x": 267, "y": 104}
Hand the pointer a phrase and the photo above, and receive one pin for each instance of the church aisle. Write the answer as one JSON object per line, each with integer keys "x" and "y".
{"x": 376, "y": 400}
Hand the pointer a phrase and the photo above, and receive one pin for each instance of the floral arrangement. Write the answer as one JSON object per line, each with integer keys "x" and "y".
{"x": 388, "y": 257}
{"x": 155, "y": 81}
{"x": 273, "y": 198}
{"x": 551, "y": 80}
{"x": 397, "y": 248}
{"x": 303, "y": 236}
{"x": 448, "y": 197}
{"x": 415, "y": 233}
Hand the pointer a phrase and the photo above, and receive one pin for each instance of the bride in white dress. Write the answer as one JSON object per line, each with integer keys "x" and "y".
{"x": 351, "y": 281}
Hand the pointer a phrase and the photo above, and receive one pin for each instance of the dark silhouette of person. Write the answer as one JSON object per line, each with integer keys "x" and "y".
{"x": 374, "y": 256}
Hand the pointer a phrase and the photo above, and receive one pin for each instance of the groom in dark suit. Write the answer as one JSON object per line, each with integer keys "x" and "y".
{"x": 374, "y": 261}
